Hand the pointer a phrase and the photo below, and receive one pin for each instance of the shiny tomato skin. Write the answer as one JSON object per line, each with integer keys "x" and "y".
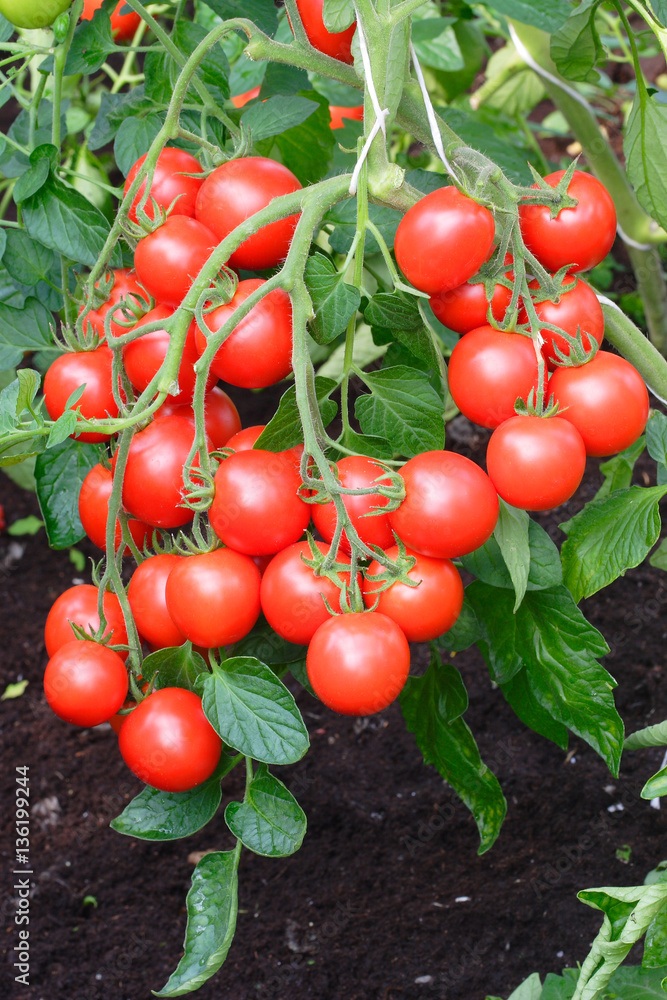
{"x": 579, "y": 237}
{"x": 466, "y": 307}
{"x": 213, "y": 597}
{"x": 450, "y": 506}
{"x": 337, "y": 44}
{"x": 605, "y": 399}
{"x": 168, "y": 742}
{"x": 153, "y": 482}
{"x": 147, "y": 596}
{"x": 488, "y": 370}
{"x": 67, "y": 373}
{"x": 577, "y": 306}
{"x": 246, "y": 438}
{"x": 85, "y": 683}
{"x": 221, "y": 418}
{"x": 123, "y": 26}
{"x": 257, "y": 509}
{"x": 357, "y": 472}
{"x": 443, "y": 240}
{"x": 240, "y": 100}
{"x": 536, "y": 463}
{"x": 340, "y": 114}
{"x": 170, "y": 182}
{"x": 258, "y": 352}
{"x": 78, "y": 604}
{"x": 235, "y": 191}
{"x": 143, "y": 357}
{"x": 94, "y": 510}
{"x": 422, "y": 612}
{"x": 169, "y": 259}
{"x": 293, "y": 597}
{"x": 35, "y": 14}
{"x": 125, "y": 286}
{"x": 358, "y": 663}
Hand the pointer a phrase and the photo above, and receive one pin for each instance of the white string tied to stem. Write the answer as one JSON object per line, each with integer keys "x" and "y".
{"x": 380, "y": 113}
{"x": 603, "y": 300}
{"x": 430, "y": 113}
{"x": 628, "y": 240}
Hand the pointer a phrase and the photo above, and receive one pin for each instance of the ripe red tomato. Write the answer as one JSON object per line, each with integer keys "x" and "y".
{"x": 71, "y": 370}
{"x": 357, "y": 472}
{"x": 85, "y": 683}
{"x": 143, "y": 357}
{"x": 123, "y": 26}
{"x": 443, "y": 240}
{"x": 257, "y": 508}
{"x": 577, "y": 307}
{"x": 168, "y": 742}
{"x": 293, "y": 597}
{"x": 581, "y": 236}
{"x": 536, "y": 463}
{"x": 605, "y": 399}
{"x": 337, "y": 44}
{"x": 124, "y": 285}
{"x": 213, "y": 597}
{"x": 94, "y": 511}
{"x": 169, "y": 259}
{"x": 79, "y": 605}
{"x": 339, "y": 114}
{"x": 221, "y": 418}
{"x": 239, "y": 100}
{"x": 146, "y": 594}
{"x": 450, "y": 505}
{"x": 358, "y": 663}
{"x": 153, "y": 482}
{"x": 235, "y": 191}
{"x": 466, "y": 307}
{"x": 423, "y": 612}
{"x": 258, "y": 352}
{"x": 170, "y": 183}
{"x": 245, "y": 439}
{"x": 488, "y": 370}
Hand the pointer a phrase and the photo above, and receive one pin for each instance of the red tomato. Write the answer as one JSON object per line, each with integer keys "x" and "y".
{"x": 168, "y": 742}
{"x": 605, "y": 399}
{"x": 171, "y": 183}
{"x": 213, "y": 597}
{"x": 536, "y": 463}
{"x": 423, "y": 612}
{"x": 443, "y": 240}
{"x": 94, "y": 511}
{"x": 356, "y": 472}
{"x": 257, "y": 508}
{"x": 293, "y": 597}
{"x": 123, "y": 26}
{"x": 466, "y": 307}
{"x": 221, "y": 418}
{"x": 168, "y": 260}
{"x": 239, "y": 100}
{"x": 143, "y": 357}
{"x": 450, "y": 505}
{"x": 488, "y": 371}
{"x": 85, "y": 683}
{"x": 124, "y": 286}
{"x": 581, "y": 236}
{"x": 71, "y": 370}
{"x": 577, "y": 307}
{"x": 358, "y": 663}
{"x": 245, "y": 439}
{"x": 153, "y": 482}
{"x": 258, "y": 352}
{"x": 146, "y": 594}
{"x": 79, "y": 605}
{"x": 235, "y": 191}
{"x": 339, "y": 114}
{"x": 337, "y": 44}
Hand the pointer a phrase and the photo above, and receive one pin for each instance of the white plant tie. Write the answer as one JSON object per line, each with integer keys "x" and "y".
{"x": 430, "y": 113}
{"x": 655, "y": 803}
{"x": 603, "y": 300}
{"x": 529, "y": 61}
{"x": 380, "y": 114}
{"x": 632, "y": 243}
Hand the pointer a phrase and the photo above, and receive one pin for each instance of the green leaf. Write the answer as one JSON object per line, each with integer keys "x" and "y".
{"x": 403, "y": 407}
{"x": 650, "y": 736}
{"x": 252, "y": 711}
{"x": 13, "y": 691}
{"x": 511, "y": 533}
{"x": 482, "y": 137}
{"x": 608, "y": 537}
{"x": 517, "y": 88}
{"x": 344, "y": 218}
{"x": 660, "y": 10}
{"x": 90, "y": 46}
{"x": 368, "y": 444}
{"x": 265, "y": 15}
{"x": 265, "y": 645}
{"x": 656, "y": 442}
{"x": 269, "y": 821}
{"x": 551, "y": 639}
{"x": 175, "y": 666}
{"x": 655, "y": 787}
{"x": 134, "y": 138}
{"x": 212, "y": 905}
{"x": 306, "y": 149}
{"x": 655, "y": 943}
{"x": 59, "y": 472}
{"x": 548, "y": 15}
{"x": 465, "y": 631}
{"x": 518, "y": 693}
{"x": 27, "y": 329}
{"x": 63, "y": 220}
{"x": 28, "y": 384}
{"x": 63, "y": 428}
{"x": 530, "y": 989}
{"x": 29, "y": 261}
{"x": 214, "y": 67}
{"x": 617, "y": 471}
{"x": 659, "y": 557}
{"x": 31, "y": 181}
{"x": 441, "y": 50}
{"x": 448, "y": 745}
{"x": 487, "y": 562}
{"x": 576, "y": 47}
{"x": 334, "y": 301}
{"x": 284, "y": 430}
{"x": 280, "y": 80}
{"x": 645, "y": 148}
{"x": 394, "y": 311}
{"x": 114, "y": 109}
{"x": 276, "y": 115}
{"x": 635, "y": 983}
{"x": 338, "y": 14}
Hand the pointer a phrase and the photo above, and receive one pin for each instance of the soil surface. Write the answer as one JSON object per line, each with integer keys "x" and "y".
{"x": 387, "y": 899}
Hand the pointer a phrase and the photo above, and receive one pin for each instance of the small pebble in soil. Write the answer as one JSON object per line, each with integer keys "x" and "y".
{"x": 619, "y": 807}
{"x": 462, "y": 899}
{"x": 424, "y": 979}
{"x": 559, "y": 954}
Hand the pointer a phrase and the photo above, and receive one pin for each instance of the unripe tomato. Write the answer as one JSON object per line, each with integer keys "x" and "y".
{"x": 147, "y": 596}
{"x": 92, "y": 369}
{"x": 170, "y": 183}
{"x": 79, "y": 605}
{"x": 123, "y": 26}
{"x": 577, "y": 308}
{"x": 337, "y": 44}
{"x": 170, "y": 258}
{"x": 357, "y": 472}
{"x": 94, "y": 511}
{"x": 85, "y": 683}
{"x": 33, "y": 13}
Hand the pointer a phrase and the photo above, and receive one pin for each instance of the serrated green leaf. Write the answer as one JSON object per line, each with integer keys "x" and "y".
{"x": 306, "y": 149}
{"x": 645, "y": 148}
{"x": 252, "y": 711}
{"x": 635, "y": 983}
{"x": 276, "y": 115}
{"x": 214, "y": 67}
{"x": 394, "y": 311}
{"x": 576, "y": 47}
{"x": 284, "y": 430}
{"x": 465, "y": 631}
{"x": 548, "y": 15}
{"x": 91, "y": 45}
{"x": 334, "y": 301}
{"x": 26, "y": 329}
{"x": 518, "y": 88}
{"x": 519, "y": 695}
{"x": 269, "y": 821}
{"x": 175, "y": 666}
{"x": 530, "y": 989}
{"x": 28, "y": 382}
{"x": 31, "y": 181}
{"x": 59, "y": 473}
{"x": 280, "y": 80}
{"x": 368, "y": 444}
{"x": 338, "y": 14}
{"x": 511, "y": 533}
{"x": 617, "y": 471}
{"x": 28, "y": 260}
{"x": 265, "y": 645}
{"x": 134, "y": 138}
{"x": 63, "y": 428}
{"x": 265, "y": 15}
{"x": 404, "y": 408}
{"x": 608, "y": 537}
{"x": 487, "y": 562}
{"x": 344, "y": 218}
{"x": 441, "y": 50}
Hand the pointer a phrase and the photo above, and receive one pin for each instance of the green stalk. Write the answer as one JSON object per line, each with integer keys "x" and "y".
{"x": 636, "y": 348}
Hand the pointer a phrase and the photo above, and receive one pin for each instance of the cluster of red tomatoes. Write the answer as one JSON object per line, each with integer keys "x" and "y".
{"x": 534, "y": 462}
